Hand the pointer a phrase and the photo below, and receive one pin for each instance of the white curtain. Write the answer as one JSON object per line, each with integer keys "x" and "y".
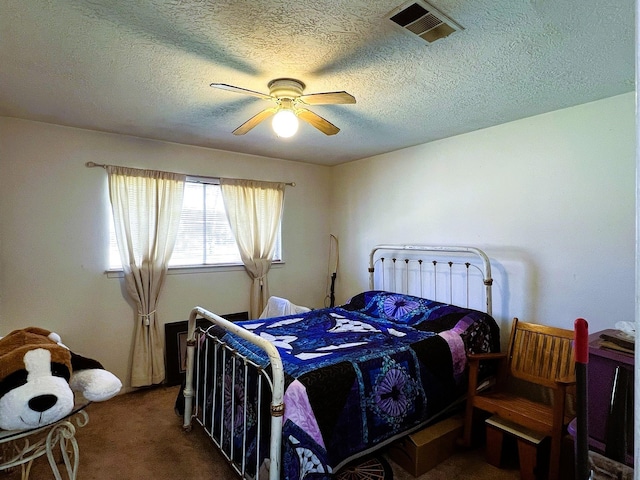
{"x": 146, "y": 210}
{"x": 254, "y": 210}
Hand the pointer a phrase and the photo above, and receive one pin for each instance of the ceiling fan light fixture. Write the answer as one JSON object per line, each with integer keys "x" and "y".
{"x": 287, "y": 94}
{"x": 285, "y": 123}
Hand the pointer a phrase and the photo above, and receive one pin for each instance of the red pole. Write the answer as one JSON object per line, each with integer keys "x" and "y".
{"x": 581, "y": 352}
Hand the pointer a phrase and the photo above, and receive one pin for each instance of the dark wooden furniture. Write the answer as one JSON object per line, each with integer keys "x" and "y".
{"x": 610, "y": 400}
{"x": 538, "y": 354}
{"x": 175, "y": 338}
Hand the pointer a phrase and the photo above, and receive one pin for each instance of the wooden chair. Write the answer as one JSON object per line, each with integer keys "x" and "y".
{"x": 537, "y": 354}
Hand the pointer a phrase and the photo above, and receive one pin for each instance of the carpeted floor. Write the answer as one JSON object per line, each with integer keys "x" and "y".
{"x": 138, "y": 436}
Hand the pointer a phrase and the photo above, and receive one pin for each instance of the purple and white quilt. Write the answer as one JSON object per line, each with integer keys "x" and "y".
{"x": 361, "y": 373}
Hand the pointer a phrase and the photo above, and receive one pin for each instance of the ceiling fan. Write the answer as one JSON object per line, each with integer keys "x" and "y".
{"x": 290, "y": 104}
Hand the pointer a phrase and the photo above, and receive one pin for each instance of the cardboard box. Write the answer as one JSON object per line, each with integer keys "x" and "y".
{"x": 421, "y": 451}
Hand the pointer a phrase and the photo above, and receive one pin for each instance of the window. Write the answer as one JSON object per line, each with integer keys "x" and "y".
{"x": 204, "y": 235}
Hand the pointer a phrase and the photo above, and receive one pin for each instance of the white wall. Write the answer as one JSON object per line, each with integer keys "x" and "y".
{"x": 54, "y": 235}
{"x": 550, "y": 198}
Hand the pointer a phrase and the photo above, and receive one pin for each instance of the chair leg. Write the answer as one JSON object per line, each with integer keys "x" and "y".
{"x": 559, "y": 400}
{"x": 554, "y": 457}
{"x": 528, "y": 456}
{"x": 493, "y": 449}
{"x": 467, "y": 430}
{"x": 468, "y": 415}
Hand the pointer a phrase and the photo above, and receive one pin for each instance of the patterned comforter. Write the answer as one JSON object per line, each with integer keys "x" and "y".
{"x": 364, "y": 372}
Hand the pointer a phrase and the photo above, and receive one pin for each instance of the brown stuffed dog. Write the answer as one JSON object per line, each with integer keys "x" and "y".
{"x": 38, "y": 378}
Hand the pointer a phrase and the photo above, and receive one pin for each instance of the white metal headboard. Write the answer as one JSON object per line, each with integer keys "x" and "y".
{"x": 404, "y": 269}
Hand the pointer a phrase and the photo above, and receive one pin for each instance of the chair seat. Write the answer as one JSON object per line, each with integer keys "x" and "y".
{"x": 525, "y": 412}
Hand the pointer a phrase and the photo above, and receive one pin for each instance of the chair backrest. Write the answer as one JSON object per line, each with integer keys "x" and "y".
{"x": 541, "y": 354}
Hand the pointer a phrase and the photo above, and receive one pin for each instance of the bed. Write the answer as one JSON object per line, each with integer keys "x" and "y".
{"x": 300, "y": 396}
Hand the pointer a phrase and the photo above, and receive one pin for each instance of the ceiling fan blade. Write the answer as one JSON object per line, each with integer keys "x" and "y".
{"x": 255, "y": 120}
{"x": 244, "y": 91}
{"x": 317, "y": 121}
{"x": 327, "y": 98}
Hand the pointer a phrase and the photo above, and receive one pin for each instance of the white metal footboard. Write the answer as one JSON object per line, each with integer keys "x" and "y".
{"x": 275, "y": 382}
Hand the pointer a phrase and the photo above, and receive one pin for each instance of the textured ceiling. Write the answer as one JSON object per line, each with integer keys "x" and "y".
{"x": 144, "y": 67}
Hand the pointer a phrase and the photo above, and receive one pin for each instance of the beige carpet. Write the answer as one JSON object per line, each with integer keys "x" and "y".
{"x": 138, "y": 436}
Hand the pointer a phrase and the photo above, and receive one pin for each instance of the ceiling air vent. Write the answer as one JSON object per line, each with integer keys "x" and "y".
{"x": 421, "y": 19}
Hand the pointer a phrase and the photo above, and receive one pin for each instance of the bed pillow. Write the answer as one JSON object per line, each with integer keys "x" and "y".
{"x": 475, "y": 327}
{"x": 394, "y": 307}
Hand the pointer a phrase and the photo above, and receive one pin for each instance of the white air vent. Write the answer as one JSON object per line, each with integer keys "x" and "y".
{"x": 421, "y": 19}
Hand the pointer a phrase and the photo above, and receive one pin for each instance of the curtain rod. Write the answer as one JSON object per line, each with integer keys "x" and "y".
{"x": 93, "y": 164}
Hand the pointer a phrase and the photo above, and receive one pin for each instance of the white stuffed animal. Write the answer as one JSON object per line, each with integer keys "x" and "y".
{"x": 38, "y": 378}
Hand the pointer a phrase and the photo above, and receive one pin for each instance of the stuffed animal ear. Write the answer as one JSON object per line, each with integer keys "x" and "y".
{"x": 78, "y": 362}
{"x": 91, "y": 379}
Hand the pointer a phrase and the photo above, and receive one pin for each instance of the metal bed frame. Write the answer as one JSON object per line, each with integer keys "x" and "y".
{"x": 395, "y": 273}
